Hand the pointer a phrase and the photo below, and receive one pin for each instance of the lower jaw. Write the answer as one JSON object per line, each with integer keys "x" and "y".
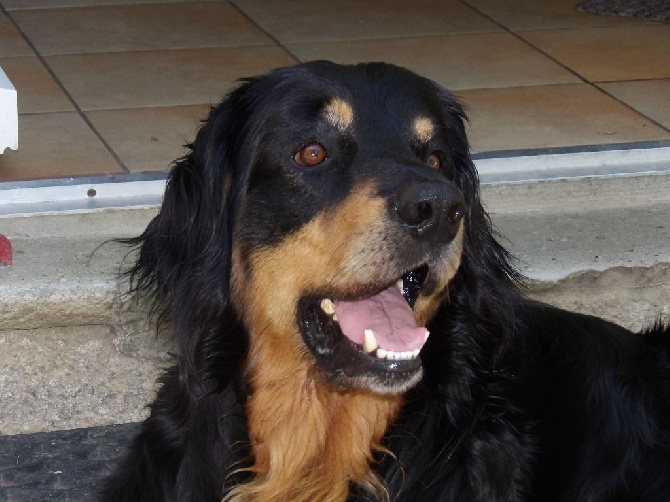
{"x": 390, "y": 385}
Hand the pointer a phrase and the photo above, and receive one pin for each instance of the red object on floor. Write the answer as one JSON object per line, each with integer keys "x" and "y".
{"x": 5, "y": 250}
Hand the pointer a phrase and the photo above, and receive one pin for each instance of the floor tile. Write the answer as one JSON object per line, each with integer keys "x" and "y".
{"x": 138, "y": 27}
{"x": 295, "y": 21}
{"x": 649, "y": 97}
{"x": 160, "y": 78}
{"x": 551, "y": 116}
{"x": 149, "y": 139}
{"x": 542, "y": 14}
{"x": 54, "y": 145}
{"x": 502, "y": 60}
{"x": 11, "y": 41}
{"x": 631, "y": 52}
{"x": 36, "y": 89}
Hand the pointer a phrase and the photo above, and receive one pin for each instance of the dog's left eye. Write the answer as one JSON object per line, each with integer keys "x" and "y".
{"x": 311, "y": 154}
{"x": 434, "y": 161}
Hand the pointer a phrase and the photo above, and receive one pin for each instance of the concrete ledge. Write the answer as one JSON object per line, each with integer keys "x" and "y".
{"x": 56, "y": 282}
{"x": 631, "y": 296}
{"x": 577, "y": 194}
{"x": 66, "y": 269}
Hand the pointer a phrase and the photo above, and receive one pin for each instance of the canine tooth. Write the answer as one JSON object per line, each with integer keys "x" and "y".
{"x": 370, "y": 342}
{"x": 328, "y": 306}
{"x": 381, "y": 354}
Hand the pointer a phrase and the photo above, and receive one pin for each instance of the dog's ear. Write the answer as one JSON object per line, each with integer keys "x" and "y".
{"x": 185, "y": 252}
{"x": 189, "y": 241}
{"x": 486, "y": 281}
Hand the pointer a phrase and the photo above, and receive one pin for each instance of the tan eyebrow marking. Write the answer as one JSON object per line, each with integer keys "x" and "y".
{"x": 423, "y": 128}
{"x": 339, "y": 113}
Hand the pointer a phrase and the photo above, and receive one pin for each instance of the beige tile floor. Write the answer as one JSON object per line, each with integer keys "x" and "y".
{"x": 110, "y": 87}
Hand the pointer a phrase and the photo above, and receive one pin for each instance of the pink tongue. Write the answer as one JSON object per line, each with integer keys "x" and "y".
{"x": 388, "y": 315}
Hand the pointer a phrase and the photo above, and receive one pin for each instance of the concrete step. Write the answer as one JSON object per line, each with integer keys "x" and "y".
{"x": 76, "y": 352}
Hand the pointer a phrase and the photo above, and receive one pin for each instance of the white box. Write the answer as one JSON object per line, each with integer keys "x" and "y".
{"x": 9, "y": 115}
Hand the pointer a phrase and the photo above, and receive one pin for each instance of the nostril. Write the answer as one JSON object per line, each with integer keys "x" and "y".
{"x": 456, "y": 212}
{"x": 424, "y": 211}
{"x": 415, "y": 212}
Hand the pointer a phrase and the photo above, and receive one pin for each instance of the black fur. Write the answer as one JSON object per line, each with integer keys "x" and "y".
{"x": 519, "y": 400}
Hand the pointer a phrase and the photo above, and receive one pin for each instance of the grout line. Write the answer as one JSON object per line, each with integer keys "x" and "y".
{"x": 267, "y": 33}
{"x": 594, "y": 85}
{"x": 69, "y": 96}
{"x": 627, "y": 105}
{"x": 526, "y": 42}
{"x": 552, "y": 58}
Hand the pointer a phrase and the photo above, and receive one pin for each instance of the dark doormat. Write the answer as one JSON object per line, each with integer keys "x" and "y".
{"x": 60, "y": 465}
{"x": 653, "y": 10}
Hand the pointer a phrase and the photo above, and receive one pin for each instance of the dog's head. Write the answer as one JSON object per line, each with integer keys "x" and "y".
{"x": 329, "y": 207}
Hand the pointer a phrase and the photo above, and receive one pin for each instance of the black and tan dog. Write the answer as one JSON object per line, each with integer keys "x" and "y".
{"x": 348, "y": 328}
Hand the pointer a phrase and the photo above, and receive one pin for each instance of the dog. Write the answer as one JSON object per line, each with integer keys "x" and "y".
{"x": 348, "y": 327}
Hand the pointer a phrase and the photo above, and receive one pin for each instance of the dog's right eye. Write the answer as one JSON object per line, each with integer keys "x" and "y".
{"x": 311, "y": 154}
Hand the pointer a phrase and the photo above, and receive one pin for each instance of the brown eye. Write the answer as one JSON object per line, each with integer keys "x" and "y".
{"x": 311, "y": 154}
{"x": 434, "y": 161}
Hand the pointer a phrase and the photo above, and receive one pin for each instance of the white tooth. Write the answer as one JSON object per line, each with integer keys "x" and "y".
{"x": 381, "y": 354}
{"x": 415, "y": 352}
{"x": 328, "y": 306}
{"x": 400, "y": 285}
{"x": 335, "y": 318}
{"x": 390, "y": 355}
{"x": 407, "y": 355}
{"x": 370, "y": 342}
{"x": 427, "y": 335}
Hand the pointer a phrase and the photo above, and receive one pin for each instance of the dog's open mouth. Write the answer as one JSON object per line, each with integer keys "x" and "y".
{"x": 372, "y": 341}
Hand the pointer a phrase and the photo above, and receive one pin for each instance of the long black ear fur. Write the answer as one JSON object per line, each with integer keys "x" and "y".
{"x": 185, "y": 252}
{"x": 486, "y": 284}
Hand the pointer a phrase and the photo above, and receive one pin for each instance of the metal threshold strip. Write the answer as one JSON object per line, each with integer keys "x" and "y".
{"x": 146, "y": 190}
{"x": 576, "y": 162}
{"x": 84, "y": 194}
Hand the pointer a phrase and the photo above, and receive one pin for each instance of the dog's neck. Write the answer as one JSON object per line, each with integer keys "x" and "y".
{"x": 309, "y": 439}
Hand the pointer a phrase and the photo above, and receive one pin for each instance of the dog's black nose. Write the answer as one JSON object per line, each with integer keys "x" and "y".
{"x": 430, "y": 209}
